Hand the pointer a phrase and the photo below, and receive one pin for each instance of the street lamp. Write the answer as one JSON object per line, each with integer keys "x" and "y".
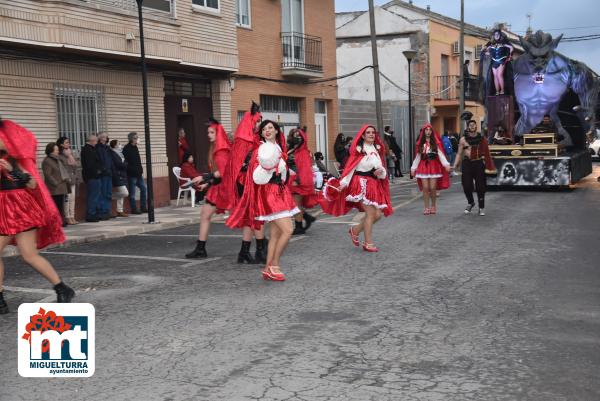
{"x": 410, "y": 55}
{"x": 146, "y": 118}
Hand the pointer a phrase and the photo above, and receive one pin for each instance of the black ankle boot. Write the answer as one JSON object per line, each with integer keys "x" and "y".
{"x": 3, "y": 305}
{"x": 64, "y": 293}
{"x": 261, "y": 251}
{"x": 199, "y": 252}
{"x": 245, "y": 256}
{"x": 298, "y": 229}
{"x": 309, "y": 220}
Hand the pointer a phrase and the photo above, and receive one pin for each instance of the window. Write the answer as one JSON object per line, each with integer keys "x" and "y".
{"x": 160, "y": 5}
{"x": 176, "y": 87}
{"x": 292, "y": 16}
{"x": 242, "y": 13}
{"x": 211, "y": 5}
{"x": 80, "y": 111}
{"x": 279, "y": 104}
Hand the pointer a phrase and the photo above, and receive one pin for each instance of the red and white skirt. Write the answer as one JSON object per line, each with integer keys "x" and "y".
{"x": 366, "y": 190}
{"x": 429, "y": 169}
{"x": 19, "y": 212}
{"x": 274, "y": 202}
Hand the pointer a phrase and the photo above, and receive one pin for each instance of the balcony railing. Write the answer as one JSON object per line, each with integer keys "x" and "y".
{"x": 447, "y": 87}
{"x": 156, "y": 7}
{"x": 301, "y": 54}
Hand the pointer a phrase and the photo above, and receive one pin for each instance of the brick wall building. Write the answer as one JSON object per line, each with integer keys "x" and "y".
{"x": 283, "y": 46}
{"x": 71, "y": 67}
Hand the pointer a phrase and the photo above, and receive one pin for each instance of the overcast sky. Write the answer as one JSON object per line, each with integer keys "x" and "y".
{"x": 570, "y": 17}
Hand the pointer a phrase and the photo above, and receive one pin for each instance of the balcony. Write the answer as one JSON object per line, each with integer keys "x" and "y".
{"x": 451, "y": 83}
{"x": 301, "y": 55}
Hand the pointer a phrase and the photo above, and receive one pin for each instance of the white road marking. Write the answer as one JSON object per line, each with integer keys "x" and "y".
{"x": 187, "y": 262}
{"x": 32, "y": 290}
{"x": 188, "y": 235}
{"x": 406, "y": 203}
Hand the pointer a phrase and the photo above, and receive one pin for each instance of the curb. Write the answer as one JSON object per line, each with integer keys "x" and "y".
{"x": 10, "y": 250}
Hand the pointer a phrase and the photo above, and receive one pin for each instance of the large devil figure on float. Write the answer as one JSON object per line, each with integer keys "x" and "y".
{"x": 542, "y": 77}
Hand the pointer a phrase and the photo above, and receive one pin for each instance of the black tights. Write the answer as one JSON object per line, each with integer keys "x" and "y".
{"x": 474, "y": 170}
{"x": 59, "y": 200}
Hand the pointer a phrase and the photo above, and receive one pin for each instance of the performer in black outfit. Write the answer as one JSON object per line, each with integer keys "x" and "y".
{"x": 474, "y": 153}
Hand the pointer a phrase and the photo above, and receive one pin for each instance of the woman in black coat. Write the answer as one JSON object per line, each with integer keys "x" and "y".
{"x": 119, "y": 177}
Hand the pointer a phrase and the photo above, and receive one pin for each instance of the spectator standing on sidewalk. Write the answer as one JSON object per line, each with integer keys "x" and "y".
{"x": 391, "y": 142}
{"x": 338, "y": 148}
{"x": 448, "y": 147}
{"x": 119, "y": 177}
{"x": 104, "y": 153}
{"x": 70, "y": 159}
{"x": 56, "y": 178}
{"x": 135, "y": 173}
{"x": 91, "y": 169}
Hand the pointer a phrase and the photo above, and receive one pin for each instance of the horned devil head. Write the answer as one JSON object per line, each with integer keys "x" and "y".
{"x": 539, "y": 47}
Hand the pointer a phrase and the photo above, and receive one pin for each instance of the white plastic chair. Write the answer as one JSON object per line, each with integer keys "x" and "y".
{"x": 190, "y": 189}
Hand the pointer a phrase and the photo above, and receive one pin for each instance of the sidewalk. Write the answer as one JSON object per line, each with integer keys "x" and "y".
{"x": 165, "y": 217}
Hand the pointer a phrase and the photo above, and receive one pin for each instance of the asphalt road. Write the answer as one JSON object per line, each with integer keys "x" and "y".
{"x": 453, "y": 307}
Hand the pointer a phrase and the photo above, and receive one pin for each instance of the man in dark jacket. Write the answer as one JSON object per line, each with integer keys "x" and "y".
{"x": 391, "y": 140}
{"x": 91, "y": 171}
{"x": 104, "y": 153}
{"x": 135, "y": 173}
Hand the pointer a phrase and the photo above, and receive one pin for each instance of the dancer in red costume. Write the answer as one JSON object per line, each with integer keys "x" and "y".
{"x": 28, "y": 216}
{"x": 363, "y": 185}
{"x": 302, "y": 182}
{"x": 267, "y": 196}
{"x": 217, "y": 198}
{"x": 430, "y": 167}
{"x": 235, "y": 180}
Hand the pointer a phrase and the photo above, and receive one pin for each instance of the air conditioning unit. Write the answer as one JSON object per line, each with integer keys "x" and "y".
{"x": 455, "y": 48}
{"x": 478, "y": 50}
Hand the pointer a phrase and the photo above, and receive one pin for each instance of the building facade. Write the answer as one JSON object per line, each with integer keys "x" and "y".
{"x": 284, "y": 47}
{"x": 435, "y": 71}
{"x": 71, "y": 67}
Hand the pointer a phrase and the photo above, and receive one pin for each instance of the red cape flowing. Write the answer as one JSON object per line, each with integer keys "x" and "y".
{"x": 243, "y": 142}
{"x": 306, "y": 184}
{"x": 245, "y": 212}
{"x": 339, "y": 206}
{"x": 444, "y": 181}
{"x": 219, "y": 194}
{"x": 22, "y": 145}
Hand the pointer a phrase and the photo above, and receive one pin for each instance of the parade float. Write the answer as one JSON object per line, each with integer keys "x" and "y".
{"x": 541, "y": 112}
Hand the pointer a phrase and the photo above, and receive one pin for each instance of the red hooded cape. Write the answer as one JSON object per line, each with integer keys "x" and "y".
{"x": 306, "y": 186}
{"x": 219, "y": 194}
{"x": 21, "y": 145}
{"x": 444, "y": 181}
{"x": 244, "y": 214}
{"x": 339, "y": 206}
{"x": 243, "y": 142}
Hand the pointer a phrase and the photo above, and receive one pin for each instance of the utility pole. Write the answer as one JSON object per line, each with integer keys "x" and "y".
{"x": 462, "y": 59}
{"x": 146, "y": 119}
{"x": 376, "y": 69}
